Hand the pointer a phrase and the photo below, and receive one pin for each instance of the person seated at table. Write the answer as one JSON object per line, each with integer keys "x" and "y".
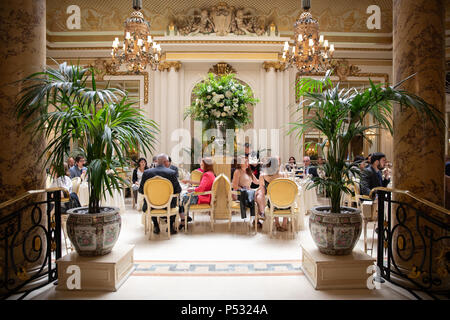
{"x": 372, "y": 176}
{"x": 309, "y": 170}
{"x": 78, "y": 170}
{"x": 161, "y": 170}
{"x": 64, "y": 181}
{"x": 292, "y": 164}
{"x": 138, "y": 172}
{"x": 242, "y": 181}
{"x": 243, "y": 175}
{"x": 174, "y": 168}
{"x": 205, "y": 185}
{"x": 270, "y": 171}
{"x": 255, "y": 166}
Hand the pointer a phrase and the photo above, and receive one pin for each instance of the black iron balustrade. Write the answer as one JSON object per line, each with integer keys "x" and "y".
{"x": 427, "y": 240}
{"x": 22, "y": 246}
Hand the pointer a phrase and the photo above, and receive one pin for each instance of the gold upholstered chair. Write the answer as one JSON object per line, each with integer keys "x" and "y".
{"x": 158, "y": 193}
{"x": 281, "y": 195}
{"x": 206, "y": 208}
{"x": 196, "y": 176}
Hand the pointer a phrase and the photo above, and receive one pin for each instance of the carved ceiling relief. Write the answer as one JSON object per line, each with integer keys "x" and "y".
{"x": 221, "y": 20}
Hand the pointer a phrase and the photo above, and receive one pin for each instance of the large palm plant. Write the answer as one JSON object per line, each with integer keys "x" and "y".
{"x": 68, "y": 107}
{"x": 340, "y": 115}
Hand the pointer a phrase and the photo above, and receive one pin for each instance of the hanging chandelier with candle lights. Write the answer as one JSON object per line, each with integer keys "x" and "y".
{"x": 138, "y": 50}
{"x": 310, "y": 51}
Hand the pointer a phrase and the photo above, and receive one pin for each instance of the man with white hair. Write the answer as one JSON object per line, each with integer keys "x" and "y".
{"x": 308, "y": 168}
{"x": 162, "y": 170}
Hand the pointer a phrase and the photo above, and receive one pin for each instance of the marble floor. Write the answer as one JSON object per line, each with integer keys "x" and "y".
{"x": 221, "y": 249}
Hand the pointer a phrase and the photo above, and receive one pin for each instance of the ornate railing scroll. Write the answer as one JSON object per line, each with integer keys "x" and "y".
{"x": 30, "y": 242}
{"x": 414, "y": 233}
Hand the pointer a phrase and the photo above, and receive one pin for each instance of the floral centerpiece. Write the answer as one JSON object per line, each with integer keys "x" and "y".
{"x": 222, "y": 103}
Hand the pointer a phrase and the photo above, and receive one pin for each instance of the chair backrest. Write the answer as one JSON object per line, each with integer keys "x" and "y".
{"x": 221, "y": 179}
{"x": 282, "y": 192}
{"x": 196, "y": 176}
{"x": 158, "y": 191}
{"x": 76, "y": 184}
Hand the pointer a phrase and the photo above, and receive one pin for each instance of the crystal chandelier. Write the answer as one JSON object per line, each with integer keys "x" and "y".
{"x": 310, "y": 52}
{"x": 138, "y": 49}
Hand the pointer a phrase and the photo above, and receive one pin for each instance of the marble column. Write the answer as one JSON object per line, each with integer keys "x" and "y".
{"x": 22, "y": 52}
{"x": 23, "y": 28}
{"x": 418, "y": 47}
{"x": 419, "y": 39}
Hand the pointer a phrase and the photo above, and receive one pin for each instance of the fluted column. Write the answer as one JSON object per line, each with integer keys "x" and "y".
{"x": 157, "y": 105}
{"x": 163, "y": 108}
{"x": 418, "y": 47}
{"x": 22, "y": 25}
{"x": 173, "y": 107}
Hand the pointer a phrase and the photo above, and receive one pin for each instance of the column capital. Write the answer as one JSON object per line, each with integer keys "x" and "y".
{"x": 167, "y": 65}
{"x": 276, "y": 65}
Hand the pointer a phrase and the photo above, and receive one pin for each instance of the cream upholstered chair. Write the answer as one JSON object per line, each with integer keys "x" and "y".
{"x": 196, "y": 176}
{"x": 281, "y": 195}
{"x": 158, "y": 193}
{"x": 206, "y": 208}
{"x": 76, "y": 184}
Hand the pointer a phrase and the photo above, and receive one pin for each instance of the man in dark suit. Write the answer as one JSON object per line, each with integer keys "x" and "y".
{"x": 308, "y": 168}
{"x": 371, "y": 176}
{"x": 161, "y": 170}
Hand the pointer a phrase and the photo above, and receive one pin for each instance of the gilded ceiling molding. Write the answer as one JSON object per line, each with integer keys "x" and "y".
{"x": 105, "y": 68}
{"x": 167, "y": 65}
{"x": 222, "y": 68}
{"x": 109, "y": 15}
{"x": 276, "y": 65}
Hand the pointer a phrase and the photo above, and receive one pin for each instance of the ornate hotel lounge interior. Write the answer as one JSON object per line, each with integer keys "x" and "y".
{"x": 225, "y": 150}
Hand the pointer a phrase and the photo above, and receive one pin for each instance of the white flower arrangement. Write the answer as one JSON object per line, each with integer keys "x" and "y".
{"x": 222, "y": 99}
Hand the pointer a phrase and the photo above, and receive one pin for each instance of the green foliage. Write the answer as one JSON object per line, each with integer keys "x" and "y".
{"x": 67, "y": 107}
{"x": 221, "y": 99}
{"x": 339, "y": 114}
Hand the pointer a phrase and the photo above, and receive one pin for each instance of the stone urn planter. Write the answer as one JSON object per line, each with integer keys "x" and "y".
{"x": 335, "y": 233}
{"x": 93, "y": 234}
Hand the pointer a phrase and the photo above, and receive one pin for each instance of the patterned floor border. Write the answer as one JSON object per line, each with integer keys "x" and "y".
{"x": 205, "y": 268}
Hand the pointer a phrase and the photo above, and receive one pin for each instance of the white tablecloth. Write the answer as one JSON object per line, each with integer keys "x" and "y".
{"x": 307, "y": 198}
{"x": 83, "y": 194}
{"x": 117, "y": 200}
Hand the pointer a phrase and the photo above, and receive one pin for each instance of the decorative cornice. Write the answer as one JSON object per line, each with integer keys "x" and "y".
{"x": 167, "y": 65}
{"x": 276, "y": 65}
{"x": 222, "y": 68}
